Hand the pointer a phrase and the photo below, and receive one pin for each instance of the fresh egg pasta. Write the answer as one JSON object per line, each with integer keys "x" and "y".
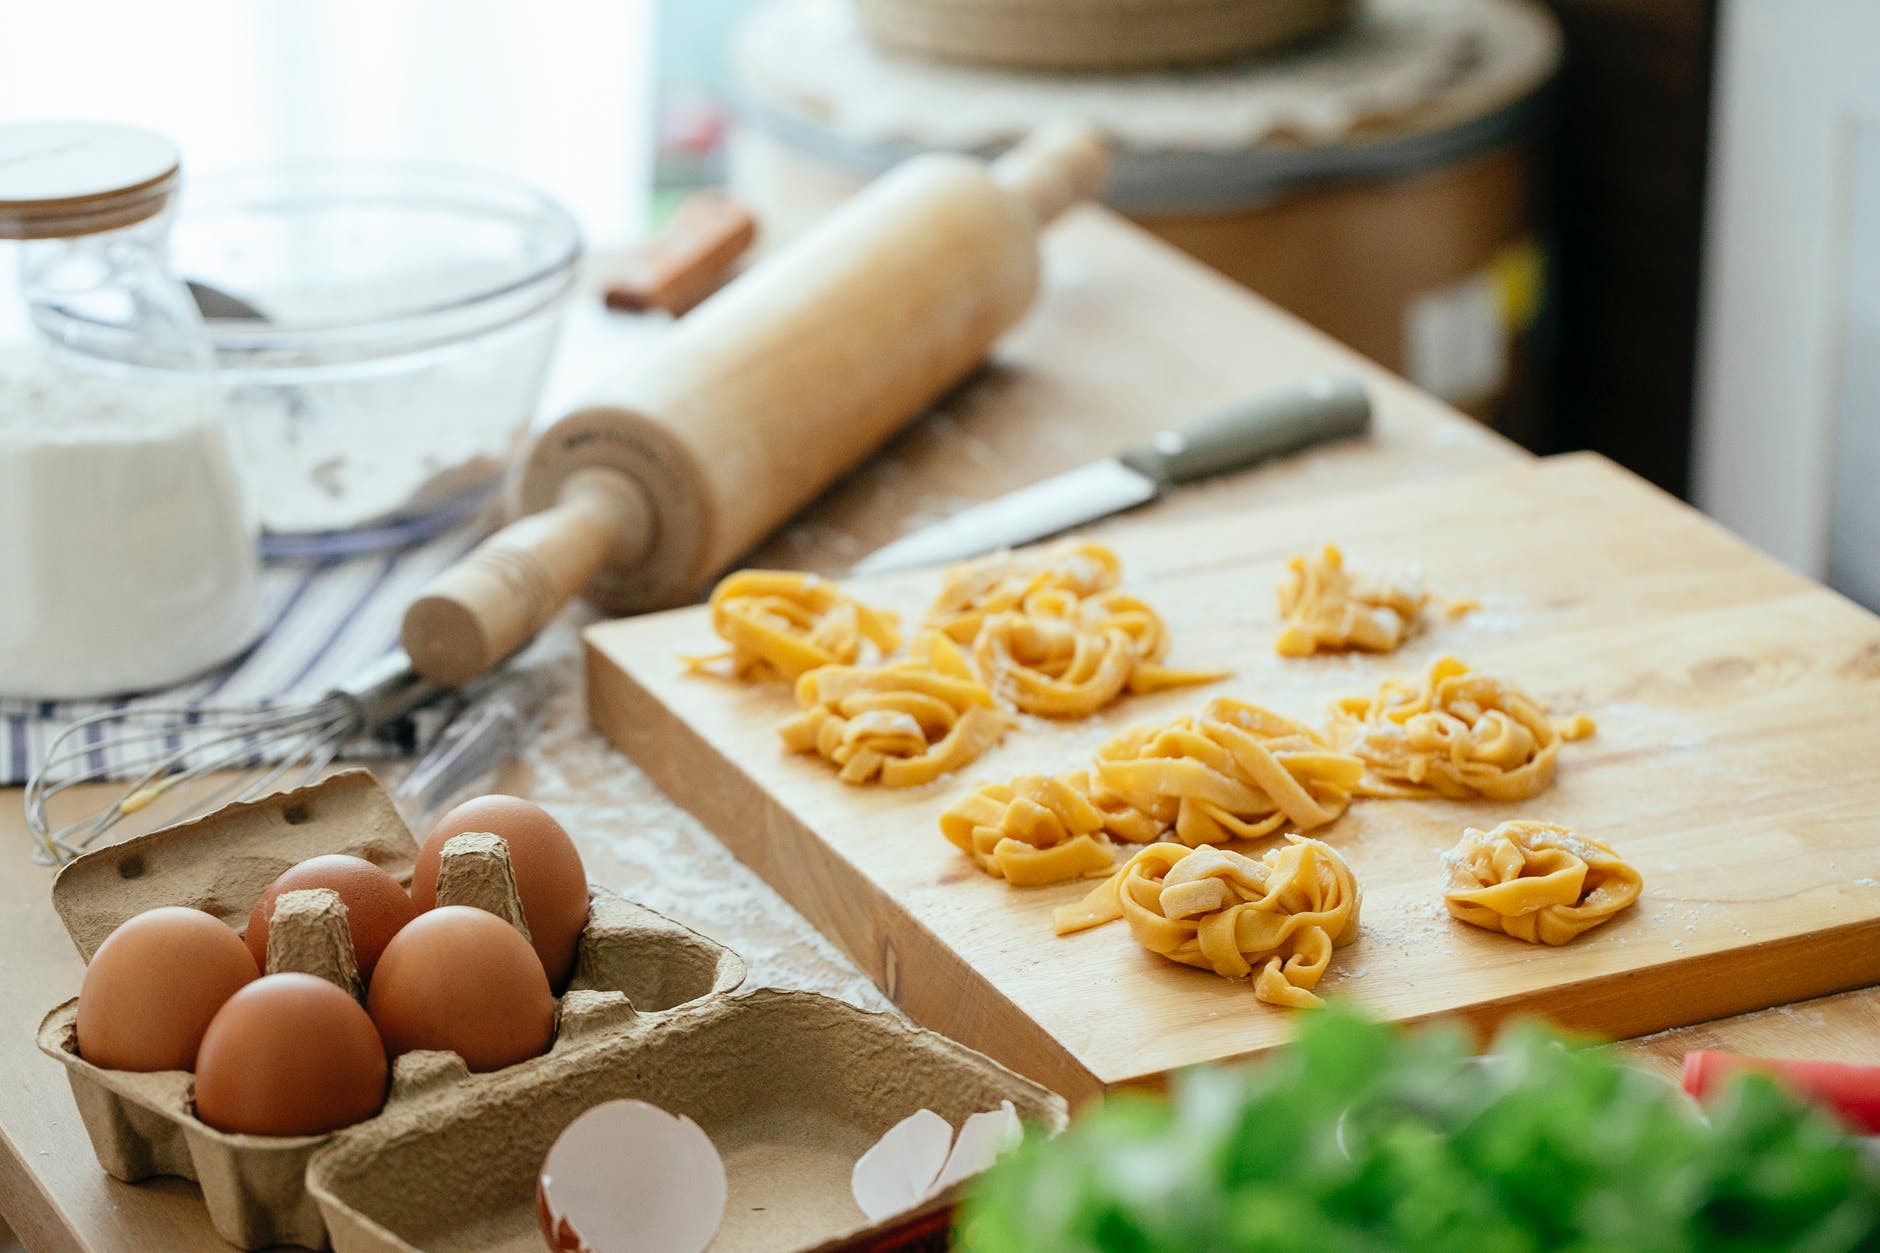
{"x": 976, "y": 590}
{"x": 1051, "y": 635}
{"x": 781, "y": 624}
{"x": 1060, "y": 656}
{"x": 1537, "y": 881}
{"x": 1233, "y": 771}
{"x": 1036, "y": 830}
{"x": 1276, "y": 919}
{"x": 1328, "y": 608}
{"x": 899, "y": 724}
{"x": 1456, "y": 734}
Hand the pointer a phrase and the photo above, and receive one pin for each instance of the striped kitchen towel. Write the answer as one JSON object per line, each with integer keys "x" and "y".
{"x": 326, "y": 621}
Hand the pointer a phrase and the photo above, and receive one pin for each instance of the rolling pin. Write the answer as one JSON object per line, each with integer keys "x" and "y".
{"x": 760, "y": 398}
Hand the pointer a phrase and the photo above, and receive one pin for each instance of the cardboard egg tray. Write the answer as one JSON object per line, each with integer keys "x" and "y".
{"x": 791, "y": 1086}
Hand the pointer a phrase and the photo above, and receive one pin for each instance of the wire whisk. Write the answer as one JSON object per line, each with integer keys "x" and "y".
{"x": 237, "y": 753}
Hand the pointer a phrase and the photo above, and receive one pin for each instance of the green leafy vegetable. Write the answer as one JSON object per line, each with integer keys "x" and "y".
{"x": 1360, "y": 1138}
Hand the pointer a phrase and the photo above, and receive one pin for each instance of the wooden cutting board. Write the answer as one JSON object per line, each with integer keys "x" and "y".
{"x": 1737, "y": 765}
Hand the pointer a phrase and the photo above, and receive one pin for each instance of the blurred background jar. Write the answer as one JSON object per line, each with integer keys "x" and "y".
{"x": 128, "y": 545}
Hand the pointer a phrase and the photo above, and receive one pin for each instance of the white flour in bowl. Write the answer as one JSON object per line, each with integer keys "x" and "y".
{"x": 127, "y": 549}
{"x": 359, "y": 452}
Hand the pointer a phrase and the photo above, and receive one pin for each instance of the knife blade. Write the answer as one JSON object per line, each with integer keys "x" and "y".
{"x": 1313, "y": 410}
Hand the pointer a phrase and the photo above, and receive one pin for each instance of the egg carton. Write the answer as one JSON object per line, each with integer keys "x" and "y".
{"x": 791, "y": 1086}
{"x": 143, "y": 1124}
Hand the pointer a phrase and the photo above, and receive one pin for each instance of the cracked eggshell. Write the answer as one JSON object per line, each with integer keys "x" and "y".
{"x": 627, "y": 1177}
{"x": 919, "y": 1158}
{"x": 898, "y": 1173}
{"x": 983, "y": 1137}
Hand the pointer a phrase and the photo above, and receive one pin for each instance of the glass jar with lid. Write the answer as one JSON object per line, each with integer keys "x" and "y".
{"x": 128, "y": 545}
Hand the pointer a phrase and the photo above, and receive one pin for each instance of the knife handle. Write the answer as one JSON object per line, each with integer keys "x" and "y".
{"x": 1314, "y": 410}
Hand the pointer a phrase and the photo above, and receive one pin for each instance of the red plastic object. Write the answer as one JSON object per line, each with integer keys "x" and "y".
{"x": 1850, "y": 1091}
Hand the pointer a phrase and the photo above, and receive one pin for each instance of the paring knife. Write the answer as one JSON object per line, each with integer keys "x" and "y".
{"x": 1314, "y": 410}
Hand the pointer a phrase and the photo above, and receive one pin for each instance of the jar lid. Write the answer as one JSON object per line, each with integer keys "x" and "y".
{"x": 61, "y": 179}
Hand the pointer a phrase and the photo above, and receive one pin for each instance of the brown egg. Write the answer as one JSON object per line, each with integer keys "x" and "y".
{"x": 549, "y": 876}
{"x": 462, "y": 979}
{"x": 376, "y": 906}
{"x": 290, "y": 1055}
{"x": 153, "y": 986}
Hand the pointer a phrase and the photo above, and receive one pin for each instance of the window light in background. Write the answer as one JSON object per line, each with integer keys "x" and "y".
{"x": 559, "y": 94}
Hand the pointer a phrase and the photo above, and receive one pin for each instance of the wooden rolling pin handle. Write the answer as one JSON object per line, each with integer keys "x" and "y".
{"x": 495, "y": 600}
{"x": 1055, "y": 167}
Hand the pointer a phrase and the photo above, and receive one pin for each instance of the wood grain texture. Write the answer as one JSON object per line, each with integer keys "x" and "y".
{"x": 1737, "y": 765}
{"x": 1843, "y": 1028}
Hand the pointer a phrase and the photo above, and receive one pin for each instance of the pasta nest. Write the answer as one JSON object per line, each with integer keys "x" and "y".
{"x": 976, "y": 590}
{"x": 1233, "y": 771}
{"x": 1277, "y": 919}
{"x": 900, "y": 723}
{"x": 1065, "y": 656}
{"x": 782, "y": 624}
{"x": 1458, "y": 734}
{"x": 1328, "y": 608}
{"x": 1537, "y": 881}
{"x": 1038, "y": 830}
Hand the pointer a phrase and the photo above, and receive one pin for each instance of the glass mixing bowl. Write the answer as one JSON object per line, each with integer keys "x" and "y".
{"x": 383, "y": 329}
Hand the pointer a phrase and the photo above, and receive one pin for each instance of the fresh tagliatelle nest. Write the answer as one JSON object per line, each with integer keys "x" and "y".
{"x": 1276, "y": 919}
{"x": 781, "y": 624}
{"x": 976, "y": 590}
{"x": 1329, "y": 608}
{"x": 1048, "y": 634}
{"x": 1038, "y": 830}
{"x": 1233, "y": 771}
{"x": 1457, "y": 734}
{"x": 1537, "y": 881}
{"x": 899, "y": 724}
{"x": 1061, "y": 657}
{"x": 1051, "y": 634}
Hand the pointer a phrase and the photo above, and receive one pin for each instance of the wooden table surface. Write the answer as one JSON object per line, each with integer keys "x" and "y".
{"x": 1129, "y": 336}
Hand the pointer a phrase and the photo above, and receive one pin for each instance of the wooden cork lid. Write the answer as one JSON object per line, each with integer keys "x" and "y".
{"x": 63, "y": 179}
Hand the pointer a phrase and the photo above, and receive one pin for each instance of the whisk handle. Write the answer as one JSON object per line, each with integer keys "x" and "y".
{"x": 498, "y": 597}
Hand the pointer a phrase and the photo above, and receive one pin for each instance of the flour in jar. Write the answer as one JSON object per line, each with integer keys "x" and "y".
{"x": 127, "y": 548}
